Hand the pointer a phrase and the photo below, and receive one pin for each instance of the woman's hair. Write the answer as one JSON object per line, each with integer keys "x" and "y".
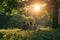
{"x": 24, "y": 22}
{"x": 30, "y": 22}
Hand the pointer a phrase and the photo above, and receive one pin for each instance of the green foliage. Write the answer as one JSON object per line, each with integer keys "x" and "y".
{"x": 1, "y": 35}
{"x": 17, "y": 20}
{"x": 1, "y": 1}
{"x": 11, "y": 9}
{"x": 3, "y": 19}
{"x": 59, "y": 17}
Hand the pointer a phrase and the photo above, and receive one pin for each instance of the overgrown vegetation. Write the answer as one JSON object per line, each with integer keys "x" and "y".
{"x": 17, "y": 34}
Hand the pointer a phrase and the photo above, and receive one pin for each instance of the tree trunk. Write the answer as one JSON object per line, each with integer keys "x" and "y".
{"x": 55, "y": 13}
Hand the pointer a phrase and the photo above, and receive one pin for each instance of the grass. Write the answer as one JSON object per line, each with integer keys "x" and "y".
{"x": 39, "y": 34}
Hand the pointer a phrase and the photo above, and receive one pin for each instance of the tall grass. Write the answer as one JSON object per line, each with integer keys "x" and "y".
{"x": 17, "y": 34}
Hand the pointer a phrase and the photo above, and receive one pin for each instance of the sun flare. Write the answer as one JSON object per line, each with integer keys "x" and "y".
{"x": 36, "y": 7}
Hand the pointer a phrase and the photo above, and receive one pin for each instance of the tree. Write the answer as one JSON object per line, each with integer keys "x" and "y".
{"x": 53, "y": 4}
{"x": 55, "y": 13}
{"x": 7, "y": 6}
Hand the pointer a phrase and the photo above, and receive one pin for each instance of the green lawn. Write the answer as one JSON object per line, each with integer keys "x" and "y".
{"x": 39, "y": 34}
